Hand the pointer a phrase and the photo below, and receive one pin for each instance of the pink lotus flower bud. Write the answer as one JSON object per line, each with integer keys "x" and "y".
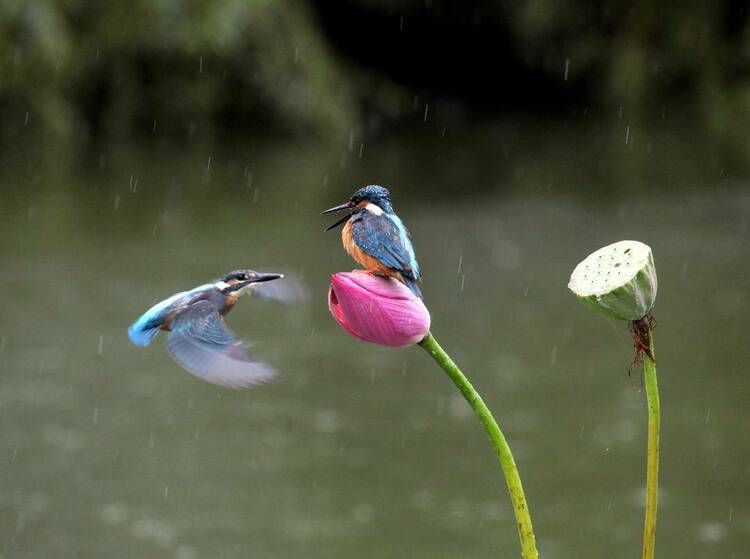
{"x": 377, "y": 309}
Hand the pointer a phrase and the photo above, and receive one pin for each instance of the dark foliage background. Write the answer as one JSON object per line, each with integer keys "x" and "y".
{"x": 126, "y": 68}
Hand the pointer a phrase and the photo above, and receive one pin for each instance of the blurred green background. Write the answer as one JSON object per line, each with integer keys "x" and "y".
{"x": 128, "y": 69}
{"x": 148, "y": 147}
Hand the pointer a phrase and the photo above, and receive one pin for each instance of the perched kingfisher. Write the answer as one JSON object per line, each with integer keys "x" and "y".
{"x": 376, "y": 238}
{"x": 198, "y": 339}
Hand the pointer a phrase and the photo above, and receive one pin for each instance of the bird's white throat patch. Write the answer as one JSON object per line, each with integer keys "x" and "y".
{"x": 373, "y": 209}
{"x": 221, "y": 285}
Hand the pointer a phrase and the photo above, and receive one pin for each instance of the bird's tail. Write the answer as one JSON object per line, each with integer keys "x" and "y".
{"x": 412, "y": 284}
{"x": 140, "y": 333}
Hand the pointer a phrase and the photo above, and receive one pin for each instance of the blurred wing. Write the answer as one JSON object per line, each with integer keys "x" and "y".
{"x": 384, "y": 237}
{"x": 201, "y": 343}
{"x": 288, "y": 290}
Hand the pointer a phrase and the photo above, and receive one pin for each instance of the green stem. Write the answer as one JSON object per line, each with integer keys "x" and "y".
{"x": 517, "y": 497}
{"x": 652, "y": 462}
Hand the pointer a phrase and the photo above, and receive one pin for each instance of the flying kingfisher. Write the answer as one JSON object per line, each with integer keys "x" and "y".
{"x": 376, "y": 238}
{"x": 198, "y": 339}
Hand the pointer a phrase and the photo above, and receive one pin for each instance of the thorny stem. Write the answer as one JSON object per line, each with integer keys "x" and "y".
{"x": 508, "y": 464}
{"x": 652, "y": 462}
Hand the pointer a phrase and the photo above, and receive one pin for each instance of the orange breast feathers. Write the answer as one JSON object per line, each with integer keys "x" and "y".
{"x": 365, "y": 260}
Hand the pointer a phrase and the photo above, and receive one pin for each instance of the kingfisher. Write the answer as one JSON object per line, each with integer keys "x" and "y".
{"x": 199, "y": 340}
{"x": 376, "y": 237}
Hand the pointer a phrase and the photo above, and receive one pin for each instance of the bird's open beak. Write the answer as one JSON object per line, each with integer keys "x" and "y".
{"x": 345, "y": 206}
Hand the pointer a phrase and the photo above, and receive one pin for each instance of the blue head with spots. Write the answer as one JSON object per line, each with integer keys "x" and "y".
{"x": 374, "y": 194}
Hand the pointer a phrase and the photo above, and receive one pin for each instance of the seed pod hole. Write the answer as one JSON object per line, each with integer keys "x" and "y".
{"x": 629, "y": 293}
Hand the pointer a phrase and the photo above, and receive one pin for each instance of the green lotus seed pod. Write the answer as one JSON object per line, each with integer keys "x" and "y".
{"x": 618, "y": 281}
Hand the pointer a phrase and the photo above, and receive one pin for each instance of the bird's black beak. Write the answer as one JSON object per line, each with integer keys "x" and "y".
{"x": 261, "y": 277}
{"x": 345, "y": 206}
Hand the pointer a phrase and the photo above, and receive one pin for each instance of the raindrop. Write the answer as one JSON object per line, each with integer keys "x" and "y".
{"x": 567, "y": 68}
{"x": 426, "y": 109}
{"x": 553, "y": 356}
{"x": 117, "y": 202}
{"x": 101, "y": 344}
{"x": 361, "y": 150}
{"x": 460, "y": 263}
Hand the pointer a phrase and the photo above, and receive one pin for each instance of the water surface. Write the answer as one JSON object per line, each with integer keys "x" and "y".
{"x": 358, "y": 451}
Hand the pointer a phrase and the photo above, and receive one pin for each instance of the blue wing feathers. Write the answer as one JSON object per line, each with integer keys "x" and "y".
{"x": 406, "y": 243}
{"x": 384, "y": 237}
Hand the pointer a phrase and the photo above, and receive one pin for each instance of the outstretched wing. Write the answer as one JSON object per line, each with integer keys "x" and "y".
{"x": 385, "y": 237}
{"x": 201, "y": 343}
